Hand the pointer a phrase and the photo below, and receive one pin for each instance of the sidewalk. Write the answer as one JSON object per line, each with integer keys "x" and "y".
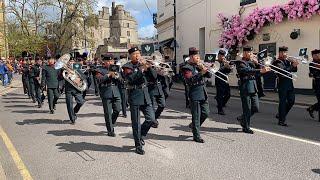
{"x": 303, "y": 100}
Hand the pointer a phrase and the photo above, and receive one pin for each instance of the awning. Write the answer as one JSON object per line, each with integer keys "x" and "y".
{"x": 167, "y": 43}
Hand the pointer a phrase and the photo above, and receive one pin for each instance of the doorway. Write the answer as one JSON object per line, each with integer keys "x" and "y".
{"x": 269, "y": 78}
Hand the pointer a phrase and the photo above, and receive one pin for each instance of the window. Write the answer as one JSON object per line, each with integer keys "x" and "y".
{"x": 246, "y": 2}
{"x": 128, "y": 25}
{"x": 128, "y": 33}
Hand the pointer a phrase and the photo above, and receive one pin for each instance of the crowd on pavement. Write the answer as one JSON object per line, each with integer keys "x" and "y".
{"x": 8, "y": 67}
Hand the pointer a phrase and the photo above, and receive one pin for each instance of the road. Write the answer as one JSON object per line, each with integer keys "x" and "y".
{"x": 50, "y": 148}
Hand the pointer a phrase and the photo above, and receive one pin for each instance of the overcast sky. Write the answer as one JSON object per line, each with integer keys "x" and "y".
{"x": 138, "y": 9}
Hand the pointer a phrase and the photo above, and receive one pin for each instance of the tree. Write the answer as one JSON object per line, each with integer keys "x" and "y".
{"x": 71, "y": 21}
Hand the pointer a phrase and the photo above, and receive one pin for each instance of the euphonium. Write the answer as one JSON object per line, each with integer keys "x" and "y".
{"x": 70, "y": 75}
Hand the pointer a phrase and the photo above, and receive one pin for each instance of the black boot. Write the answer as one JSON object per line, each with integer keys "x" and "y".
{"x": 310, "y": 110}
{"x": 139, "y": 150}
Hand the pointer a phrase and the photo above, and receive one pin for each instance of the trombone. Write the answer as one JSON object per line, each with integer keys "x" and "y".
{"x": 314, "y": 67}
{"x": 275, "y": 69}
{"x": 213, "y": 70}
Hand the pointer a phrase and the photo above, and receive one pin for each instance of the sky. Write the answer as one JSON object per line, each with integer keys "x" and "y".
{"x": 138, "y": 9}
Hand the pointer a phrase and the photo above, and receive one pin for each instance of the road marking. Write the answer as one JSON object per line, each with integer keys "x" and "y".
{"x": 277, "y": 134}
{"x": 15, "y": 156}
{"x": 238, "y": 98}
{"x": 287, "y": 137}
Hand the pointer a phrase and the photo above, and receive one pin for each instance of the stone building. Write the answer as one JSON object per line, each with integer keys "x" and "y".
{"x": 116, "y": 32}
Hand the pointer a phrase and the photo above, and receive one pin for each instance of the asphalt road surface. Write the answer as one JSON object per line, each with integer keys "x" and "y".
{"x": 35, "y": 144}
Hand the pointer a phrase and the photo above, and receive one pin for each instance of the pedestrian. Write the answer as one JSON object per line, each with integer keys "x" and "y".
{"x": 4, "y": 72}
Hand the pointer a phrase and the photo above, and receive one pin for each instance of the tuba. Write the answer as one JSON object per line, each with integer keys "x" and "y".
{"x": 70, "y": 75}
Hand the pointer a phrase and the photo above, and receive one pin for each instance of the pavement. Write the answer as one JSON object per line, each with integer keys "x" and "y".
{"x": 50, "y": 148}
{"x": 271, "y": 96}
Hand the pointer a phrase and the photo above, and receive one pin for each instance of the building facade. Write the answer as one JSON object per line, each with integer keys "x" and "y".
{"x": 165, "y": 27}
{"x": 198, "y": 25}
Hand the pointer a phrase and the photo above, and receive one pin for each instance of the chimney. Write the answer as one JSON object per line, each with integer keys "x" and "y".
{"x": 113, "y": 8}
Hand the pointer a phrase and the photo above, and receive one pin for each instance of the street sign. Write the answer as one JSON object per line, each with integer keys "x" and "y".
{"x": 210, "y": 58}
{"x": 303, "y": 51}
{"x": 263, "y": 54}
{"x": 147, "y": 49}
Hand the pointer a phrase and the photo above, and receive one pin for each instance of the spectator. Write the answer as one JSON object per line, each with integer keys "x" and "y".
{"x": 3, "y": 73}
{"x": 10, "y": 71}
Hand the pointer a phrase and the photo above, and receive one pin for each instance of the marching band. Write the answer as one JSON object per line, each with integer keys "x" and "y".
{"x": 143, "y": 84}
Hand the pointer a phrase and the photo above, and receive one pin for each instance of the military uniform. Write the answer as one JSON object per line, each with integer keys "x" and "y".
{"x": 124, "y": 95}
{"x": 197, "y": 94}
{"x": 315, "y": 74}
{"x": 285, "y": 88}
{"x": 139, "y": 100}
{"x": 156, "y": 93}
{"x": 93, "y": 69}
{"x": 37, "y": 85}
{"x": 165, "y": 83}
{"x": 31, "y": 77}
{"x": 50, "y": 79}
{"x": 71, "y": 92}
{"x": 247, "y": 71}
{"x": 248, "y": 92}
{"x": 110, "y": 95}
{"x": 25, "y": 79}
{"x": 223, "y": 89}
{"x": 186, "y": 87}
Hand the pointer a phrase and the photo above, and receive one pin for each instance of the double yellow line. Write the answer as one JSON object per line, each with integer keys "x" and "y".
{"x": 15, "y": 156}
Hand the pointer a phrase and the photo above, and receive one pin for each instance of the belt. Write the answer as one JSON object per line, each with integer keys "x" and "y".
{"x": 196, "y": 83}
{"x": 108, "y": 85}
{"x": 154, "y": 83}
{"x": 129, "y": 87}
{"x": 245, "y": 78}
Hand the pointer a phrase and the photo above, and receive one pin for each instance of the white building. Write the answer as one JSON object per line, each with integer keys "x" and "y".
{"x": 198, "y": 25}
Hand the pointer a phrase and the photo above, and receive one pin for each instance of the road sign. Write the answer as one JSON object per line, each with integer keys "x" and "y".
{"x": 147, "y": 49}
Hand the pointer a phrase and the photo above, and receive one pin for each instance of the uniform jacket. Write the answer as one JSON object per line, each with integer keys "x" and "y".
{"x": 137, "y": 78}
{"x": 196, "y": 83}
{"x": 285, "y": 83}
{"x": 109, "y": 87}
{"x": 315, "y": 74}
{"x": 247, "y": 71}
{"x": 50, "y": 77}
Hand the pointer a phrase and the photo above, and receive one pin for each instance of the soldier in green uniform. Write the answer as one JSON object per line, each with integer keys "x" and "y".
{"x": 186, "y": 88}
{"x": 31, "y": 77}
{"x": 123, "y": 91}
{"x": 138, "y": 96}
{"x": 194, "y": 73}
{"x": 285, "y": 85}
{"x": 246, "y": 69}
{"x": 93, "y": 67}
{"x": 72, "y": 92}
{"x": 50, "y": 79}
{"x": 25, "y": 78}
{"x": 156, "y": 94}
{"x": 314, "y": 70}
{"x": 223, "y": 88}
{"x": 108, "y": 81}
{"x": 35, "y": 71}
